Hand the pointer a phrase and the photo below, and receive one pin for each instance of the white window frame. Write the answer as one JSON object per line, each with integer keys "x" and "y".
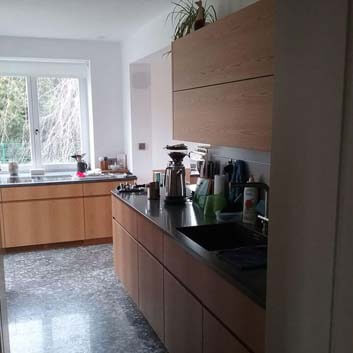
{"x": 33, "y": 118}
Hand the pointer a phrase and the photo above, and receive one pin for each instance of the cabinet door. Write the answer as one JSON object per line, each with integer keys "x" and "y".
{"x": 217, "y": 339}
{"x": 41, "y": 192}
{"x": 236, "y": 47}
{"x": 125, "y": 215}
{"x": 151, "y": 291}
{"x": 183, "y": 318}
{"x": 150, "y": 236}
{"x": 243, "y": 112}
{"x": 126, "y": 260}
{"x": 98, "y": 217}
{"x": 43, "y": 222}
{"x": 98, "y": 189}
{"x": 236, "y": 310}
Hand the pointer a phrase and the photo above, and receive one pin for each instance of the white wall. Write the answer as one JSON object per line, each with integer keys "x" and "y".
{"x": 141, "y": 120}
{"x": 148, "y": 40}
{"x": 151, "y": 114}
{"x": 105, "y": 63}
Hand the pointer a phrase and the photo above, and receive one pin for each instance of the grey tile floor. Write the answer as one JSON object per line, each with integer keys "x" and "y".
{"x": 69, "y": 301}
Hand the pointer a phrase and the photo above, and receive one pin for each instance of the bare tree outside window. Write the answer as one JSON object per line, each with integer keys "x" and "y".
{"x": 59, "y": 119}
{"x": 15, "y": 144}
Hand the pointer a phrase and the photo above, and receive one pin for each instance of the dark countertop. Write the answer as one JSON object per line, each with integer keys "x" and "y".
{"x": 7, "y": 181}
{"x": 170, "y": 217}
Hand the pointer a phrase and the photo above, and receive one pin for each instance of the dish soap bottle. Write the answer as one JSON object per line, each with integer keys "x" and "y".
{"x": 250, "y": 201}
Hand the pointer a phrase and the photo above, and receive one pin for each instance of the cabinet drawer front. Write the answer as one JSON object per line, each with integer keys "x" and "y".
{"x": 151, "y": 301}
{"x": 236, "y": 114}
{"x": 183, "y": 318}
{"x": 43, "y": 222}
{"x": 41, "y": 192}
{"x": 237, "y": 47}
{"x": 125, "y": 216}
{"x": 126, "y": 260}
{"x": 96, "y": 189}
{"x": 238, "y": 312}
{"x": 98, "y": 217}
{"x": 150, "y": 236}
{"x": 217, "y": 339}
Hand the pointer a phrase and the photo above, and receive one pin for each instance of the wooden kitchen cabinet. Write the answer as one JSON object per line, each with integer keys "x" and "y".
{"x": 99, "y": 189}
{"x": 150, "y": 236}
{"x": 43, "y": 221}
{"x": 126, "y": 260}
{"x": 236, "y": 310}
{"x": 234, "y": 114}
{"x": 98, "y": 217}
{"x": 151, "y": 301}
{"x": 183, "y": 318}
{"x": 236, "y": 47}
{"x": 98, "y": 209}
{"x": 125, "y": 215}
{"x": 41, "y": 192}
{"x": 223, "y": 79}
{"x": 217, "y": 339}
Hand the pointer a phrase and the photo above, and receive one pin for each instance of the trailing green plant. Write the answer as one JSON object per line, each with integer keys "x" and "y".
{"x": 183, "y": 16}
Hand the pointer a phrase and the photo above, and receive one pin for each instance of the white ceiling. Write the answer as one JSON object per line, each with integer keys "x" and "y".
{"x": 110, "y": 20}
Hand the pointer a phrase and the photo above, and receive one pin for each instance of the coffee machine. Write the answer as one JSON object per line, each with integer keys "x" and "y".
{"x": 174, "y": 180}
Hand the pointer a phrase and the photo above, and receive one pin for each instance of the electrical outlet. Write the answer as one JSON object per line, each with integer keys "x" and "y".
{"x": 142, "y": 146}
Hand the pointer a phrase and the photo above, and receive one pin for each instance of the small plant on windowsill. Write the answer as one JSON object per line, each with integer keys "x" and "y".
{"x": 186, "y": 17}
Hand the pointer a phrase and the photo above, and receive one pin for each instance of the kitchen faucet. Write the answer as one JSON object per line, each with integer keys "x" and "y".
{"x": 262, "y": 186}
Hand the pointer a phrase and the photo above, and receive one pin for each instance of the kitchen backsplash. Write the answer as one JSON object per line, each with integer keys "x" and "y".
{"x": 259, "y": 163}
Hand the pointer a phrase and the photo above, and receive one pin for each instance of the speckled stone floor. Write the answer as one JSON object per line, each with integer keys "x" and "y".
{"x": 69, "y": 301}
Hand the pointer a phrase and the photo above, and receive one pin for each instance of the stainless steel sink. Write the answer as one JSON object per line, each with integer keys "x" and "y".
{"x": 222, "y": 236}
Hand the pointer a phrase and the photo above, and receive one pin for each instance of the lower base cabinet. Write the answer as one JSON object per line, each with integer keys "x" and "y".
{"x": 169, "y": 290}
{"x": 126, "y": 260}
{"x": 98, "y": 217}
{"x": 183, "y": 318}
{"x": 217, "y": 339}
{"x": 43, "y": 221}
{"x": 151, "y": 302}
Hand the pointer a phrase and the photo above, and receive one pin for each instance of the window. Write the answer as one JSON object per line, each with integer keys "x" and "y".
{"x": 43, "y": 113}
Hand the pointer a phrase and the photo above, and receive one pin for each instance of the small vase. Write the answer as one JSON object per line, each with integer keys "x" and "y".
{"x": 13, "y": 169}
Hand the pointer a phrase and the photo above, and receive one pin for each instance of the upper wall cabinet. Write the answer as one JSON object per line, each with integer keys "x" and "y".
{"x": 223, "y": 80}
{"x": 237, "y": 47}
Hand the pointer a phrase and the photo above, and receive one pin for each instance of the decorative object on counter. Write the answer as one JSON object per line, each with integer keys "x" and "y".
{"x": 239, "y": 174}
{"x": 153, "y": 191}
{"x": 159, "y": 177}
{"x": 131, "y": 189}
{"x": 214, "y": 204}
{"x": 262, "y": 206}
{"x": 250, "y": 201}
{"x": 219, "y": 184}
{"x": 13, "y": 169}
{"x": 121, "y": 160}
{"x": 103, "y": 163}
{"x": 113, "y": 165}
{"x": 186, "y": 17}
{"x": 174, "y": 180}
{"x": 82, "y": 166}
{"x": 203, "y": 189}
